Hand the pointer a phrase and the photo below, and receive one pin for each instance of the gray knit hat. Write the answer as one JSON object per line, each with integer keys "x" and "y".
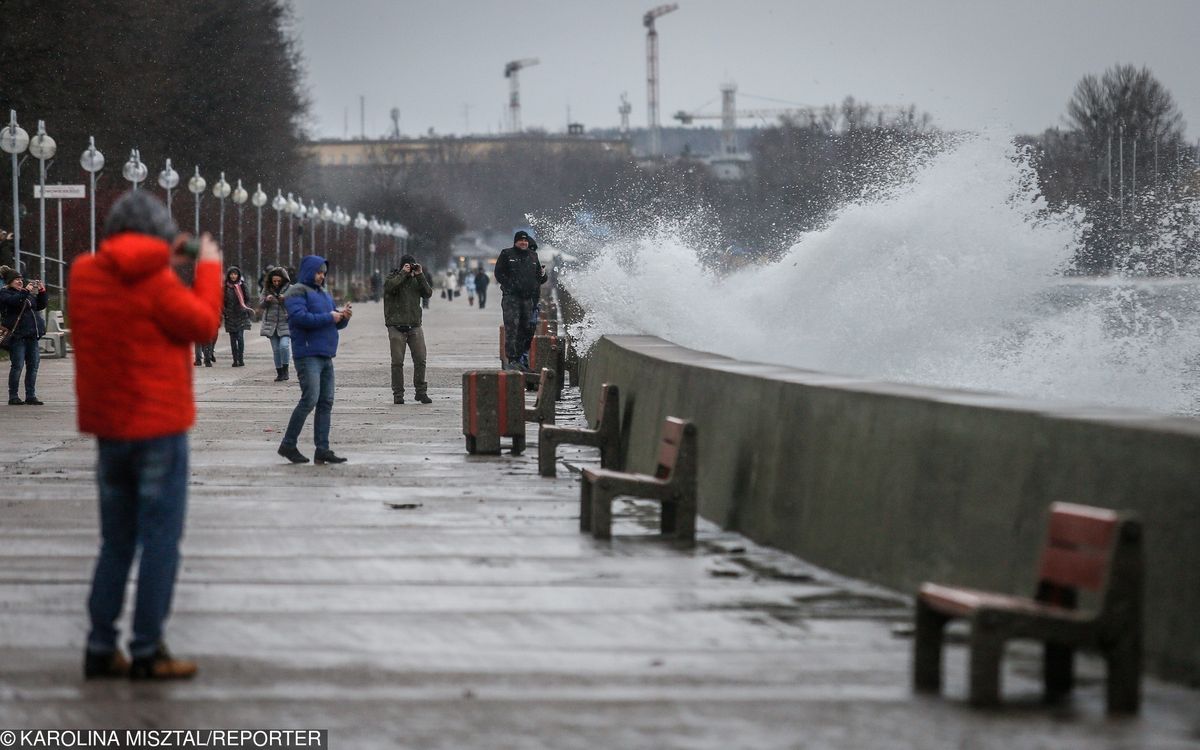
{"x": 139, "y": 211}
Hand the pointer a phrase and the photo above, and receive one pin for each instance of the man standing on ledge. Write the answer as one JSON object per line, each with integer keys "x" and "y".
{"x": 520, "y": 277}
{"x": 403, "y": 291}
{"x": 314, "y": 323}
{"x": 134, "y": 324}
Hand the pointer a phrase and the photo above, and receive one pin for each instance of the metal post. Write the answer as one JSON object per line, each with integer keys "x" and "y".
{"x": 1121, "y": 167}
{"x": 1133, "y": 189}
{"x": 222, "y": 232}
{"x": 291, "y": 240}
{"x": 42, "y": 220}
{"x": 93, "y": 202}
{"x": 62, "y": 282}
{"x": 278, "y": 236}
{"x": 258, "y": 260}
{"x": 240, "y": 257}
{"x": 196, "y": 230}
{"x": 16, "y": 173}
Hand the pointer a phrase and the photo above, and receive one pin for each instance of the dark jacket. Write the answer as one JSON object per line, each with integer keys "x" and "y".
{"x": 274, "y": 318}
{"x": 481, "y": 281}
{"x": 237, "y": 312}
{"x": 519, "y": 273}
{"x": 402, "y": 294}
{"x": 310, "y": 313}
{"x": 30, "y": 325}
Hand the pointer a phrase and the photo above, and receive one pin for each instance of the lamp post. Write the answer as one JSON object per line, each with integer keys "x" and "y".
{"x": 239, "y": 199}
{"x": 14, "y": 140}
{"x": 313, "y": 213}
{"x": 259, "y": 199}
{"x": 373, "y": 228}
{"x": 134, "y": 170}
{"x": 196, "y": 185}
{"x": 168, "y": 179}
{"x": 360, "y": 223}
{"x": 221, "y": 190}
{"x": 92, "y": 161}
{"x": 326, "y": 215}
{"x": 42, "y": 147}
{"x": 298, "y": 211}
{"x": 279, "y": 203}
{"x": 291, "y": 212}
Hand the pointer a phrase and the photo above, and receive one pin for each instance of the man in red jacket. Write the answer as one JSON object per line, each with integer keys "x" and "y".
{"x": 133, "y": 324}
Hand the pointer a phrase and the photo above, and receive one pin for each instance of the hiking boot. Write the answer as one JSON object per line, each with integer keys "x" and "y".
{"x": 104, "y": 665}
{"x": 161, "y": 666}
{"x": 513, "y": 366}
{"x": 15, "y": 402}
{"x": 35, "y": 401}
{"x": 196, "y": 363}
{"x": 293, "y": 454}
{"x": 279, "y": 376}
{"x": 285, "y": 372}
{"x": 397, "y": 399}
{"x": 424, "y": 398}
{"x": 327, "y": 457}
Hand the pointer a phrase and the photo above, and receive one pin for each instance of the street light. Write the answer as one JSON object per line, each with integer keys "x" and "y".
{"x": 221, "y": 190}
{"x": 239, "y": 199}
{"x": 14, "y": 140}
{"x": 92, "y": 161}
{"x": 259, "y": 199}
{"x": 280, "y": 205}
{"x": 196, "y": 185}
{"x": 313, "y": 214}
{"x": 360, "y": 223}
{"x": 134, "y": 170}
{"x": 168, "y": 179}
{"x": 326, "y": 215}
{"x": 42, "y": 148}
{"x": 291, "y": 212}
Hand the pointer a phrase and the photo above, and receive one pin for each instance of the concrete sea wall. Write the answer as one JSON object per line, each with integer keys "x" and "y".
{"x": 901, "y": 484}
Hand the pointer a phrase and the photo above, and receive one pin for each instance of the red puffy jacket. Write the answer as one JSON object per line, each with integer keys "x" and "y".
{"x": 133, "y": 323}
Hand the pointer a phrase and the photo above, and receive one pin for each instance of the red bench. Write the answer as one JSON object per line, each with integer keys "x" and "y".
{"x": 606, "y": 436}
{"x": 673, "y": 484}
{"x": 1091, "y": 550}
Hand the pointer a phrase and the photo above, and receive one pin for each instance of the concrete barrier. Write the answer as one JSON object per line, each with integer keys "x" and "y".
{"x": 900, "y": 484}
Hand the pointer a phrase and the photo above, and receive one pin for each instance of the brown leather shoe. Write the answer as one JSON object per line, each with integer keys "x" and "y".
{"x": 99, "y": 666}
{"x": 162, "y": 666}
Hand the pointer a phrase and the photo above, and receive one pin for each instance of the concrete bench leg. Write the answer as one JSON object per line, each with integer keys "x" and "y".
{"x": 669, "y": 521}
{"x": 987, "y": 651}
{"x": 927, "y": 649}
{"x": 602, "y": 500}
{"x": 1058, "y": 669}
{"x": 585, "y": 505}
{"x": 547, "y": 454}
{"x": 1124, "y": 688}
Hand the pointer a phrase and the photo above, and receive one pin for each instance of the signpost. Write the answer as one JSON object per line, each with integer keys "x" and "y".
{"x": 60, "y": 193}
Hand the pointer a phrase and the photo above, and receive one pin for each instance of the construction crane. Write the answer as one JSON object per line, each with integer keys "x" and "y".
{"x": 514, "y": 89}
{"x": 624, "y": 111}
{"x": 652, "y": 73}
{"x": 730, "y": 114}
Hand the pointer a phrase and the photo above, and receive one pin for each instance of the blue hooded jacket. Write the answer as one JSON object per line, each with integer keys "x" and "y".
{"x": 310, "y": 313}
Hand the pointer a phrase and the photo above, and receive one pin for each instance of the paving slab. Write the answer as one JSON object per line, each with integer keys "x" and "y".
{"x": 418, "y": 597}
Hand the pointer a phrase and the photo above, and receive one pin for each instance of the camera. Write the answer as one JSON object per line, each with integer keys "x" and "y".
{"x": 188, "y": 247}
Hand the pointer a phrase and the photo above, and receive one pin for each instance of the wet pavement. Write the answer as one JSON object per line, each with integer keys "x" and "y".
{"x": 419, "y": 597}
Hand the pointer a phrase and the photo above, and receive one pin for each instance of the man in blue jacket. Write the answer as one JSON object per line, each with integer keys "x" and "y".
{"x": 314, "y": 323}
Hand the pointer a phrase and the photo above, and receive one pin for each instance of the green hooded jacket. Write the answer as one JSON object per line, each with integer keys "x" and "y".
{"x": 402, "y": 295}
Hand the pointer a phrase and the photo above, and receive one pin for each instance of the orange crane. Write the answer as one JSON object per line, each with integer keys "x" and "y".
{"x": 652, "y": 73}
{"x": 511, "y": 69}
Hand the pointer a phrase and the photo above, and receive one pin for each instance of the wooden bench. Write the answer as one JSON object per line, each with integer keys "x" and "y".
{"x": 542, "y": 411}
{"x": 606, "y": 436}
{"x": 673, "y": 484}
{"x": 1087, "y": 549}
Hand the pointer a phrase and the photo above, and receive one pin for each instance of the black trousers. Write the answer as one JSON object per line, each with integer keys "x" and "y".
{"x": 518, "y": 325}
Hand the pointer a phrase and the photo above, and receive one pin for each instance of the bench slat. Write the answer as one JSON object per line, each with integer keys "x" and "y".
{"x": 1074, "y": 568}
{"x": 1080, "y": 525}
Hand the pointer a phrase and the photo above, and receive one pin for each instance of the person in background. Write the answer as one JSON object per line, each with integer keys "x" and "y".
{"x": 481, "y": 285}
{"x": 314, "y": 323}
{"x": 238, "y": 314}
{"x": 275, "y": 320}
{"x": 520, "y": 277}
{"x": 139, "y": 407}
{"x": 403, "y": 291}
{"x": 20, "y": 306}
{"x": 469, "y": 283}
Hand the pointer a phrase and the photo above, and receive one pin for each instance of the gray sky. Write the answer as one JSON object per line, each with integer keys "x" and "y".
{"x": 970, "y": 63}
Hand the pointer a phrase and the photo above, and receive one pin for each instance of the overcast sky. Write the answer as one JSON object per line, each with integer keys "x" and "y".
{"x": 969, "y": 63}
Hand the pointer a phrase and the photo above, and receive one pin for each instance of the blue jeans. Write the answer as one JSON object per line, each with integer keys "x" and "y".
{"x": 23, "y": 354}
{"x": 281, "y": 348}
{"x": 143, "y": 502}
{"x": 316, "y": 391}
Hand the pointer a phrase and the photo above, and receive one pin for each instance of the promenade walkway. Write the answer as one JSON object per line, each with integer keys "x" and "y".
{"x": 421, "y": 598}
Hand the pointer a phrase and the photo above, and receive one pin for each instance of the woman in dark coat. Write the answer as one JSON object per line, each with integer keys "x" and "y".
{"x": 19, "y": 306}
{"x": 275, "y": 320}
{"x": 237, "y": 313}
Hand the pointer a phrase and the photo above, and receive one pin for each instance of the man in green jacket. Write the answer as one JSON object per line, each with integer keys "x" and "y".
{"x": 403, "y": 291}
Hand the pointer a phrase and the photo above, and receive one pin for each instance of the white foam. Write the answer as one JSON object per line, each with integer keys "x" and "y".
{"x": 956, "y": 279}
